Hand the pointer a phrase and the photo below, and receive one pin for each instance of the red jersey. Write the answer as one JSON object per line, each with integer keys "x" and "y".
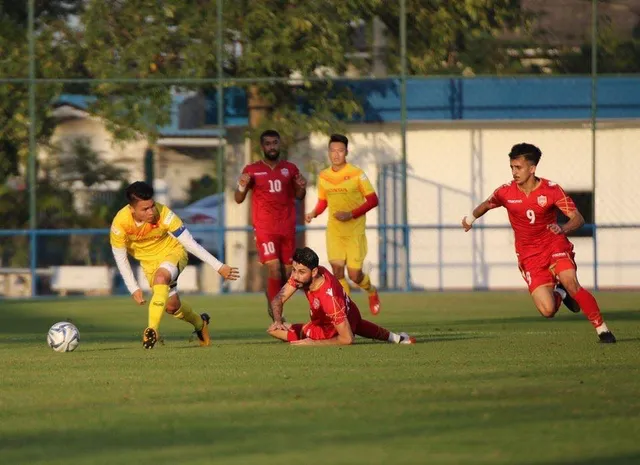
{"x": 273, "y": 201}
{"x": 531, "y": 215}
{"x": 329, "y": 305}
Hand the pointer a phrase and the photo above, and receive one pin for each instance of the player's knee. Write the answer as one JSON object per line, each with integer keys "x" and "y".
{"x": 572, "y": 286}
{"x": 274, "y": 270}
{"x": 161, "y": 278}
{"x": 338, "y": 271}
{"x": 356, "y": 275}
{"x": 547, "y": 311}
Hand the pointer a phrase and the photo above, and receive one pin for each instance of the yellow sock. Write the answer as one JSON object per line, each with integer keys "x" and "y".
{"x": 186, "y": 313}
{"x": 345, "y": 286}
{"x": 157, "y": 304}
{"x": 366, "y": 285}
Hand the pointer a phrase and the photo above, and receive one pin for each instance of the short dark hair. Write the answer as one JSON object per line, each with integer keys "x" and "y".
{"x": 529, "y": 151}
{"x": 269, "y": 133}
{"x": 306, "y": 257}
{"x": 139, "y": 190}
{"x": 339, "y": 138}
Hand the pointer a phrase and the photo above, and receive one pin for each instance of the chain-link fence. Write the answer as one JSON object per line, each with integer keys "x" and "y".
{"x": 432, "y": 96}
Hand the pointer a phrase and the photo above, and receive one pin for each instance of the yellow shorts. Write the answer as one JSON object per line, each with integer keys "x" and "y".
{"x": 349, "y": 249}
{"x": 177, "y": 257}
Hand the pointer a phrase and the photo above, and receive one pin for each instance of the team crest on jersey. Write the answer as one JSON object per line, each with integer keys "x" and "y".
{"x": 285, "y": 172}
{"x": 316, "y": 304}
{"x": 330, "y": 292}
{"x": 542, "y": 200}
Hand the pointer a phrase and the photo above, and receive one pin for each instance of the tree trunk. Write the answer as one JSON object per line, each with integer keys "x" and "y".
{"x": 259, "y": 110}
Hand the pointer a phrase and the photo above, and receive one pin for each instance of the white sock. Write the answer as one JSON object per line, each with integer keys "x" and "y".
{"x": 561, "y": 293}
{"x": 602, "y": 329}
{"x": 393, "y": 337}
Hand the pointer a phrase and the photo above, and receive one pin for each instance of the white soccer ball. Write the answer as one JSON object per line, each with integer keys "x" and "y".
{"x": 63, "y": 337}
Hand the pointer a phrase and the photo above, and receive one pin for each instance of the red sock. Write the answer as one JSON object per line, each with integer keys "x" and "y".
{"x": 589, "y": 306}
{"x": 372, "y": 331}
{"x": 273, "y": 287}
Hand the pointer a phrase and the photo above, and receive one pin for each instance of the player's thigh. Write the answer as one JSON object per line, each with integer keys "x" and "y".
{"x": 287, "y": 247}
{"x": 565, "y": 269}
{"x": 544, "y": 300}
{"x": 336, "y": 248}
{"x": 174, "y": 263}
{"x": 268, "y": 246}
{"x": 357, "y": 249}
{"x": 318, "y": 332}
{"x": 535, "y": 272}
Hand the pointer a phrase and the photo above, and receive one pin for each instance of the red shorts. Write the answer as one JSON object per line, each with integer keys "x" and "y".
{"x": 276, "y": 247}
{"x": 542, "y": 268}
{"x": 320, "y": 332}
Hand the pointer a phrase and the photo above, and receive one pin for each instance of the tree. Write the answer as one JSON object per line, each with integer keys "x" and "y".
{"x": 452, "y": 37}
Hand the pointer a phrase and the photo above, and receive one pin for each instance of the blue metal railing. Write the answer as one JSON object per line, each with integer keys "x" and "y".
{"x": 384, "y": 266}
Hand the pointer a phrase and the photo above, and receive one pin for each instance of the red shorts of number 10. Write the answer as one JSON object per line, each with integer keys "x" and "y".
{"x": 273, "y": 204}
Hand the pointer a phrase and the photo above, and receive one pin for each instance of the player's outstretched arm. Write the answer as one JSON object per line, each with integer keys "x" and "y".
{"x": 242, "y": 188}
{"x": 576, "y": 221}
{"x": 477, "y": 212}
{"x": 277, "y": 305}
{"x": 124, "y": 267}
{"x": 345, "y": 337}
{"x": 189, "y": 243}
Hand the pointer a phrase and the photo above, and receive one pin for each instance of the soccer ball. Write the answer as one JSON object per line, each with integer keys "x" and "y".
{"x": 63, "y": 337}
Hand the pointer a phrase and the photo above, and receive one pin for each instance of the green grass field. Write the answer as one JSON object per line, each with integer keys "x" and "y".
{"x": 488, "y": 382}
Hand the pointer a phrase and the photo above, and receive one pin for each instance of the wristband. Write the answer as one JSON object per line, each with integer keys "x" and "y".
{"x": 470, "y": 218}
{"x": 241, "y": 188}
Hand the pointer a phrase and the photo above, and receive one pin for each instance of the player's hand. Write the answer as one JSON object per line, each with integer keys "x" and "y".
{"x": 310, "y": 216}
{"x": 300, "y": 181}
{"x": 466, "y": 225}
{"x": 555, "y": 229}
{"x": 138, "y": 296}
{"x": 343, "y": 216}
{"x": 278, "y": 325}
{"x": 229, "y": 273}
{"x": 244, "y": 180}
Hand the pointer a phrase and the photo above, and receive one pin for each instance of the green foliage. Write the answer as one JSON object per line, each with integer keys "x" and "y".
{"x": 615, "y": 54}
{"x": 453, "y": 37}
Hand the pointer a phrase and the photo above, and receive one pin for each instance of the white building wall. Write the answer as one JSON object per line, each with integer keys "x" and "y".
{"x": 444, "y": 162}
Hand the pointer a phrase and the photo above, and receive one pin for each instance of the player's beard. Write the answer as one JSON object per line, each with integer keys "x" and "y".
{"x": 272, "y": 156}
{"x": 303, "y": 285}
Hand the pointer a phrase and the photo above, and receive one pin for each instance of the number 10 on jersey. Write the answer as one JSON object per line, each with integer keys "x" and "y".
{"x": 275, "y": 185}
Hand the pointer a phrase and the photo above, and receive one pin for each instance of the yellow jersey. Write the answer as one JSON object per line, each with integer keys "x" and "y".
{"x": 344, "y": 190}
{"x": 146, "y": 241}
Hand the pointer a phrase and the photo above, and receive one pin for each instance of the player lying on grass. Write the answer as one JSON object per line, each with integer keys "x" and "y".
{"x": 545, "y": 255}
{"x": 335, "y": 318}
{"x": 154, "y": 235}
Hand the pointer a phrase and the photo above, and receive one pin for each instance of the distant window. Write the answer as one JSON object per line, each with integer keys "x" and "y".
{"x": 584, "y": 204}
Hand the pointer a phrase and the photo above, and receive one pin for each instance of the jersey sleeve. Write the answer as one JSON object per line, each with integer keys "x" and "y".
{"x": 496, "y": 199}
{"x": 171, "y": 222}
{"x": 117, "y": 237}
{"x": 563, "y": 202}
{"x": 365, "y": 185}
{"x": 334, "y": 306}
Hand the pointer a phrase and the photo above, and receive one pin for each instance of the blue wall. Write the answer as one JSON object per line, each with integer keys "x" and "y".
{"x": 446, "y": 99}
{"x": 490, "y": 98}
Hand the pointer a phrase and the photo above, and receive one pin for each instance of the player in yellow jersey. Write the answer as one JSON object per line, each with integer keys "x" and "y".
{"x": 348, "y": 193}
{"x": 155, "y": 236}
